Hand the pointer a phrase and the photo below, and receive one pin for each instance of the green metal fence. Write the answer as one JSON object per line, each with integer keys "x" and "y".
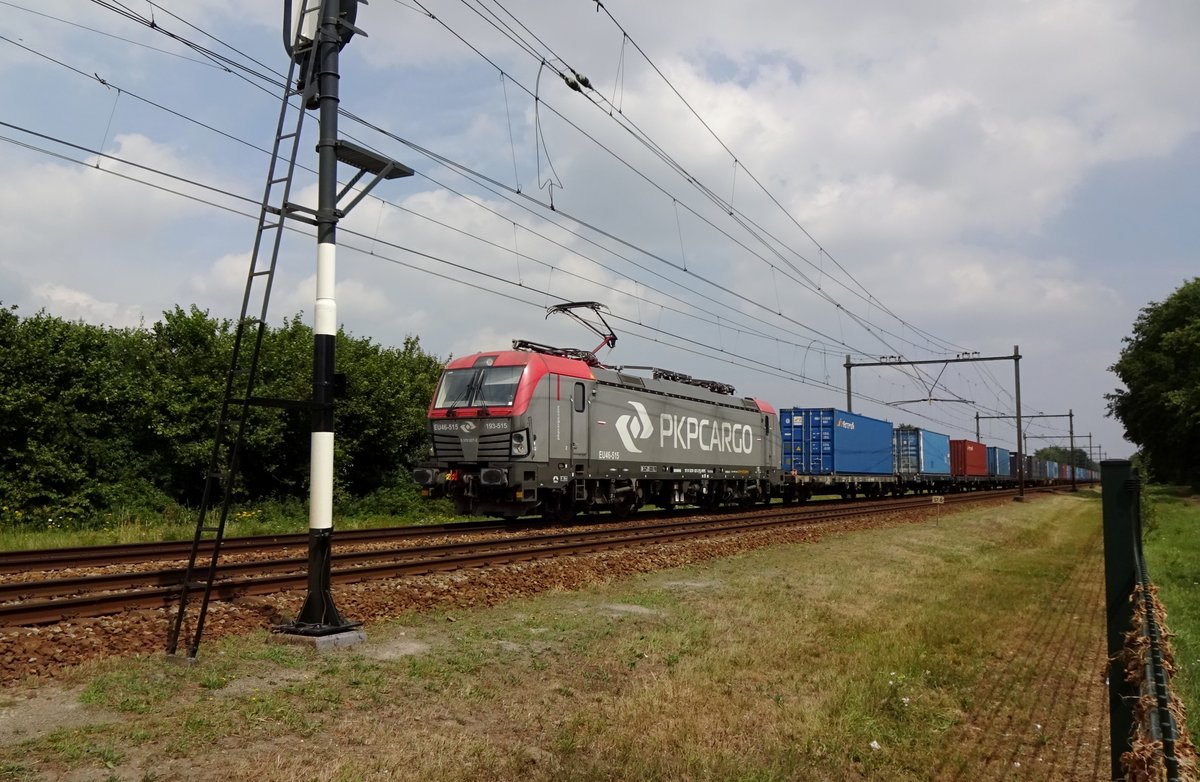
{"x": 1142, "y": 727}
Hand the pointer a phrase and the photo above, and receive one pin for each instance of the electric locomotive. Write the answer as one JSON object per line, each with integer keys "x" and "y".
{"x": 551, "y": 431}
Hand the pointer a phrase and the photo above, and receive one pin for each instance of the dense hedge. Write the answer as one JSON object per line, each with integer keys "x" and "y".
{"x": 95, "y": 418}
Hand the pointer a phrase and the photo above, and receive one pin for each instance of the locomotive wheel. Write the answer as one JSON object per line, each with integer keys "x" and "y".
{"x": 560, "y": 510}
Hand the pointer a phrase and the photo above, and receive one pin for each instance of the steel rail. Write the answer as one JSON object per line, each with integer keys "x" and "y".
{"x": 21, "y": 561}
{"x": 160, "y": 589}
{"x": 128, "y": 553}
{"x": 65, "y": 587}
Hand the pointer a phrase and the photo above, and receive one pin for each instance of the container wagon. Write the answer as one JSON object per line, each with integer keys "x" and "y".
{"x": 922, "y": 459}
{"x": 1030, "y": 472}
{"x": 826, "y": 450}
{"x": 999, "y": 464}
{"x": 968, "y": 459}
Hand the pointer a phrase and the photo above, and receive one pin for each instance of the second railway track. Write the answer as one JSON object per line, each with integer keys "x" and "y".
{"x": 25, "y": 603}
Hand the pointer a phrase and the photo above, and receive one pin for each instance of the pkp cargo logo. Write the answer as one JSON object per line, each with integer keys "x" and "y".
{"x": 630, "y": 428}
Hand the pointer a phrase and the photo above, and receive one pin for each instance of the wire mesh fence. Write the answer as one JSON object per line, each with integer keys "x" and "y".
{"x": 1148, "y": 732}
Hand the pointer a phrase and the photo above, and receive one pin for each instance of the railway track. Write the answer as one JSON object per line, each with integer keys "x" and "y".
{"x": 131, "y": 553}
{"x": 27, "y": 603}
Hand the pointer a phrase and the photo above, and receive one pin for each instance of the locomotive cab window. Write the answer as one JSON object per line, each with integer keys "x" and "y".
{"x": 498, "y": 386}
{"x": 478, "y": 387}
{"x": 578, "y": 398}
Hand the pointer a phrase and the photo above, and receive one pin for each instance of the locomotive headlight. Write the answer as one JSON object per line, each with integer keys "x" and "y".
{"x": 520, "y": 443}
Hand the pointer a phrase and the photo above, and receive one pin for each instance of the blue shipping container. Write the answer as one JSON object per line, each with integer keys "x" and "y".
{"x": 921, "y": 451}
{"x": 998, "y": 462}
{"x": 825, "y": 441}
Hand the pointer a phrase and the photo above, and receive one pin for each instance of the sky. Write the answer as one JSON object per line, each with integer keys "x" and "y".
{"x": 753, "y": 190}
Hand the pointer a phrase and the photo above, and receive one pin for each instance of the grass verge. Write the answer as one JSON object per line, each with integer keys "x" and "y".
{"x": 1172, "y": 548}
{"x": 863, "y": 656}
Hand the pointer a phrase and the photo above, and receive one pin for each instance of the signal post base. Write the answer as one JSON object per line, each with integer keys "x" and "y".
{"x": 338, "y": 638}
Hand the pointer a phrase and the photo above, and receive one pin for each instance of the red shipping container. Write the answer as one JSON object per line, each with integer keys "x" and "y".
{"x": 968, "y": 457}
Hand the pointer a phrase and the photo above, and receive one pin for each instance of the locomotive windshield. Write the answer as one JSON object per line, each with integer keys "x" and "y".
{"x": 478, "y": 387}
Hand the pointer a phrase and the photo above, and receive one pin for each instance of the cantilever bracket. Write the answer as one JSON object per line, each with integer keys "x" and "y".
{"x": 367, "y": 162}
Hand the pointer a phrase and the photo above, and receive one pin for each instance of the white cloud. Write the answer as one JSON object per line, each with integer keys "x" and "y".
{"x": 72, "y": 304}
{"x": 929, "y": 148}
{"x": 226, "y": 277}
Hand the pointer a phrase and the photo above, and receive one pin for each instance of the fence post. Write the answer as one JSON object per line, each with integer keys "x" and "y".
{"x": 1120, "y": 497}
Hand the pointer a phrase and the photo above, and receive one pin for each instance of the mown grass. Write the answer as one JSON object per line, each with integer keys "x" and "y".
{"x": 1172, "y": 547}
{"x": 851, "y": 658}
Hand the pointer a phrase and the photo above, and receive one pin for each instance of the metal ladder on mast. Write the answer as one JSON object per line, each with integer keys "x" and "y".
{"x": 239, "y": 396}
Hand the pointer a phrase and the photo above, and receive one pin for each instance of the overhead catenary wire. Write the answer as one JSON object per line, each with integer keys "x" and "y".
{"x": 664, "y": 336}
{"x": 150, "y": 22}
{"x": 177, "y": 17}
{"x": 229, "y": 136}
{"x": 670, "y": 160}
{"x": 535, "y": 94}
{"x": 875, "y": 331}
{"x": 846, "y": 312}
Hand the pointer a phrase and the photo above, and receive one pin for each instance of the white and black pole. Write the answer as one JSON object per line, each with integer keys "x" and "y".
{"x": 319, "y": 616}
{"x": 314, "y": 38}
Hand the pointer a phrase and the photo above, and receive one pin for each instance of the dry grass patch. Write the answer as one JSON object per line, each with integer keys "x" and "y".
{"x": 860, "y": 656}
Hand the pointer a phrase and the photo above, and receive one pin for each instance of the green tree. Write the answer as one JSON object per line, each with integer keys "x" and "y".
{"x": 68, "y": 392}
{"x": 181, "y": 389}
{"x": 94, "y": 417}
{"x": 379, "y": 418}
{"x": 1160, "y": 369}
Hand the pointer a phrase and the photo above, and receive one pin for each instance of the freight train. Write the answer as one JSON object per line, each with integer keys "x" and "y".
{"x": 550, "y": 431}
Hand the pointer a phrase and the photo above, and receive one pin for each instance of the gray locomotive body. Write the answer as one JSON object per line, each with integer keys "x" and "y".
{"x": 520, "y": 432}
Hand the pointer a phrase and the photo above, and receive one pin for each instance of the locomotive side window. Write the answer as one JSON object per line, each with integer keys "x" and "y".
{"x": 578, "y": 398}
{"x": 478, "y": 387}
